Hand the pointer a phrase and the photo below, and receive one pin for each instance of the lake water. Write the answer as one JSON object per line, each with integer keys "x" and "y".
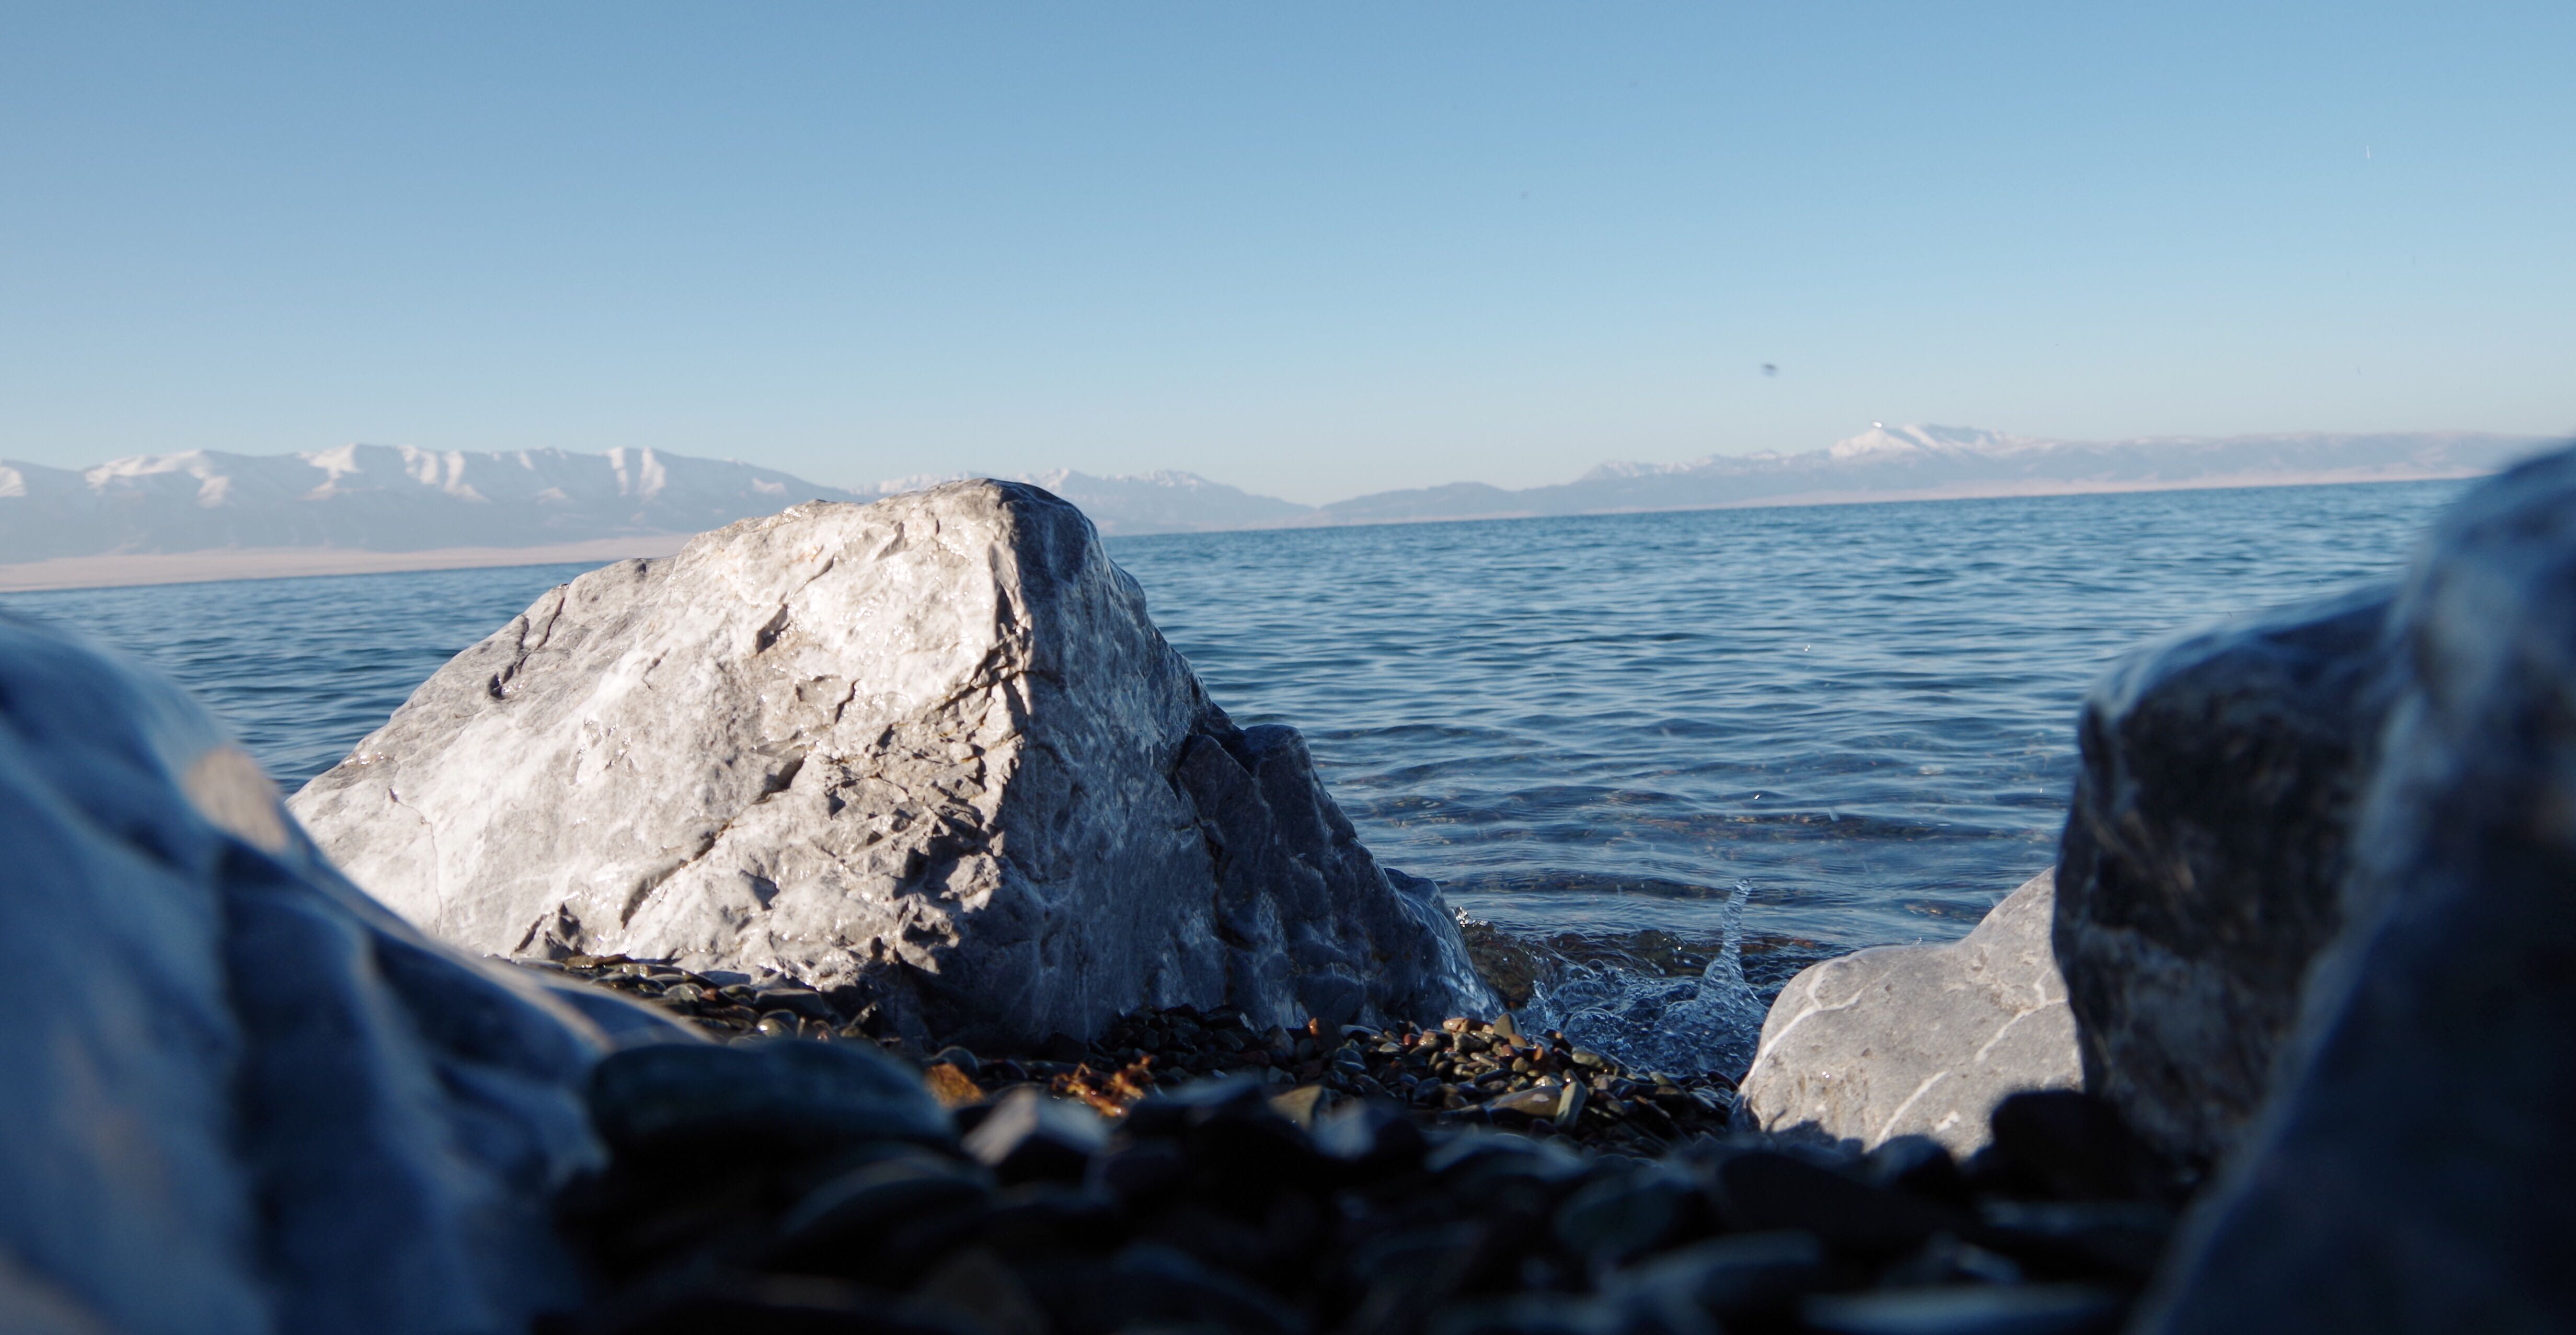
{"x": 1863, "y": 712}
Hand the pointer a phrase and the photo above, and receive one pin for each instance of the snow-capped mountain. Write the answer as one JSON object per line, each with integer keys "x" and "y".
{"x": 382, "y": 498}
{"x": 1930, "y": 462}
{"x": 392, "y": 498}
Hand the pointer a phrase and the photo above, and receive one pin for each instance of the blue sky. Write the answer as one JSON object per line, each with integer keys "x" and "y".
{"x": 1310, "y": 249}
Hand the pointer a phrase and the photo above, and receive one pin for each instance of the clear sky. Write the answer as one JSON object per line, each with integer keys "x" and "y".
{"x": 1313, "y": 249}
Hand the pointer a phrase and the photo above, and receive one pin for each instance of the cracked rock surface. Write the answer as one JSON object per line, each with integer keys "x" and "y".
{"x": 1919, "y": 1040}
{"x": 931, "y": 750}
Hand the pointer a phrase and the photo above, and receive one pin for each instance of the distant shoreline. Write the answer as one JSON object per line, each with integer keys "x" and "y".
{"x": 2004, "y": 490}
{"x": 207, "y": 567}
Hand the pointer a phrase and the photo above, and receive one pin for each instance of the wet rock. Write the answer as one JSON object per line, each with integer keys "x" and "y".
{"x": 797, "y": 749}
{"x": 240, "y": 1096}
{"x": 2205, "y": 850}
{"x": 1918, "y": 1040}
{"x": 2411, "y": 1171}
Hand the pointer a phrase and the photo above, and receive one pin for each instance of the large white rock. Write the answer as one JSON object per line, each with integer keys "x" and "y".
{"x": 931, "y": 748}
{"x": 1920, "y": 1040}
{"x": 239, "y": 1096}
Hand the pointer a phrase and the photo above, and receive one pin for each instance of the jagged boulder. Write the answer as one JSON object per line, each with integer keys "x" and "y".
{"x": 930, "y": 749}
{"x": 240, "y": 1096}
{"x": 1918, "y": 1040}
{"x": 2204, "y": 856}
{"x": 2412, "y": 1169}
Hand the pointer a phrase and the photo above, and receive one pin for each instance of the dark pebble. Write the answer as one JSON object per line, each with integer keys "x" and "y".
{"x": 1029, "y": 1137}
{"x": 1366, "y": 1179}
{"x": 2038, "y": 1309}
{"x": 1765, "y": 1190}
{"x": 787, "y": 1094}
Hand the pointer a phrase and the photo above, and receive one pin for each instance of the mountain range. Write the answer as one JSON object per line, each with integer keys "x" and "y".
{"x": 399, "y": 499}
{"x": 1935, "y": 462}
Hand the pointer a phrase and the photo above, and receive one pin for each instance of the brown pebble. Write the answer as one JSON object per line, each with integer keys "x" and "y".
{"x": 951, "y": 1086}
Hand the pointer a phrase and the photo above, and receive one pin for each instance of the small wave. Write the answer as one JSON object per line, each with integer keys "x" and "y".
{"x": 1632, "y": 998}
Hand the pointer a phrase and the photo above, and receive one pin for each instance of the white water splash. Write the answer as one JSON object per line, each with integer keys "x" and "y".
{"x": 1708, "y": 1023}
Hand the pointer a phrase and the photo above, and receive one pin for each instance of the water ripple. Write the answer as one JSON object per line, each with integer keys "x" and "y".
{"x": 1862, "y": 712}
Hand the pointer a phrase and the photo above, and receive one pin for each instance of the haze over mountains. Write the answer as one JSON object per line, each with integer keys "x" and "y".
{"x": 383, "y": 498}
{"x": 1930, "y": 462}
{"x": 397, "y": 499}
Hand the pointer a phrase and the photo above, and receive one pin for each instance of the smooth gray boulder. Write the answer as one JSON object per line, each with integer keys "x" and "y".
{"x": 931, "y": 749}
{"x": 2413, "y": 1170}
{"x": 239, "y": 1095}
{"x": 2204, "y": 856}
{"x": 1918, "y": 1040}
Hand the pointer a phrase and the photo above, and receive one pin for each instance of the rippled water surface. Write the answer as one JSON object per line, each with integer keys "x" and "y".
{"x": 1864, "y": 712}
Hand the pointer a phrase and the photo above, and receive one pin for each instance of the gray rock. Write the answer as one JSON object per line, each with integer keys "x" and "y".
{"x": 1918, "y": 1040}
{"x": 2204, "y": 854}
{"x": 932, "y": 748}
{"x": 2413, "y": 1170}
{"x": 240, "y": 1096}
{"x": 792, "y": 1093}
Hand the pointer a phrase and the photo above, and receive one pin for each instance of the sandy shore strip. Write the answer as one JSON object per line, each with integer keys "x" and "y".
{"x": 97, "y": 572}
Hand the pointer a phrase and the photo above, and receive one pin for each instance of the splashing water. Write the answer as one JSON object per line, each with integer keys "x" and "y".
{"x": 1708, "y": 1023}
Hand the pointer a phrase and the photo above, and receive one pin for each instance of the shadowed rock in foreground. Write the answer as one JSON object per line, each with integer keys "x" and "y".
{"x": 931, "y": 749}
{"x": 2413, "y": 1169}
{"x": 1919, "y": 1040}
{"x": 2204, "y": 856}
{"x": 240, "y": 1097}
